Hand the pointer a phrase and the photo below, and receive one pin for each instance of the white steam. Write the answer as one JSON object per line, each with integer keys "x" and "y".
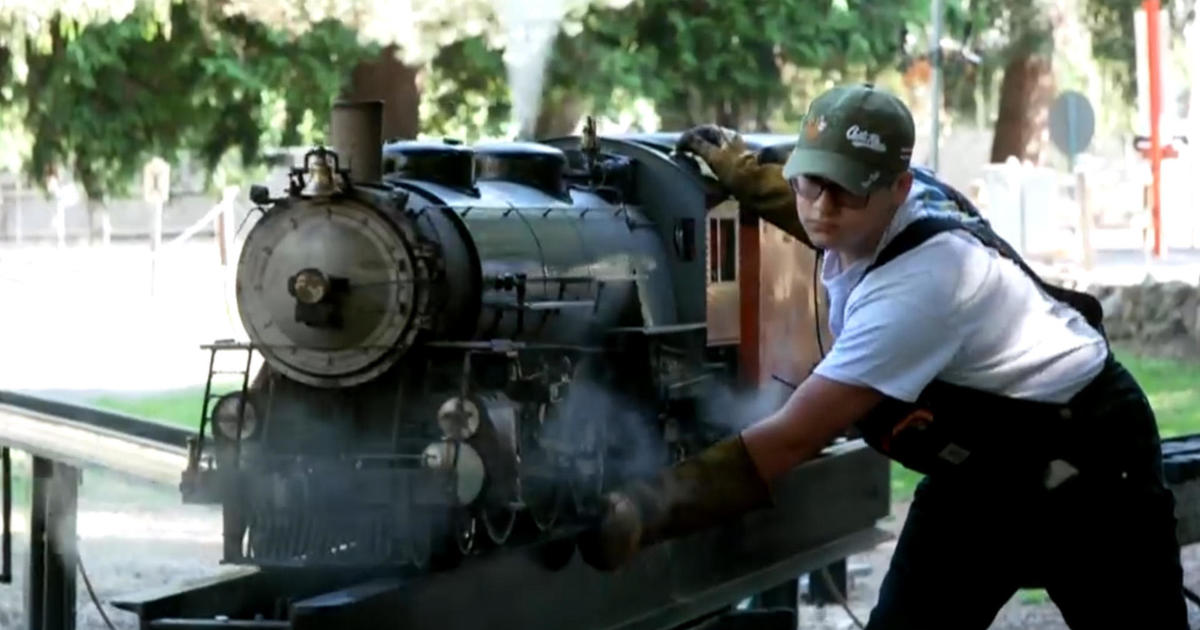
{"x": 530, "y": 27}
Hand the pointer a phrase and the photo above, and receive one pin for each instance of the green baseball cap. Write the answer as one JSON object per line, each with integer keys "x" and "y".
{"x": 858, "y": 136}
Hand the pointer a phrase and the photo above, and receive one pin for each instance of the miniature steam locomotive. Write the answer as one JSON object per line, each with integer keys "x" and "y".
{"x": 462, "y": 346}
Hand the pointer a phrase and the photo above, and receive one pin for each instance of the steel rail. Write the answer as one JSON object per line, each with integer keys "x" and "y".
{"x": 82, "y": 436}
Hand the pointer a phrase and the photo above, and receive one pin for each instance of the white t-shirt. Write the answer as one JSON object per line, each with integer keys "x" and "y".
{"x": 954, "y": 310}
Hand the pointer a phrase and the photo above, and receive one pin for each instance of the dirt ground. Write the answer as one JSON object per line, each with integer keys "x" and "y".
{"x": 130, "y": 548}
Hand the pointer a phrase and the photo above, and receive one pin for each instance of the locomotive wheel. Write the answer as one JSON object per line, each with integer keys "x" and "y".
{"x": 541, "y": 485}
{"x": 587, "y": 481}
{"x": 453, "y": 534}
{"x": 498, "y": 522}
{"x": 545, "y": 503}
{"x": 418, "y": 543}
{"x": 466, "y": 532}
{"x": 586, "y": 475}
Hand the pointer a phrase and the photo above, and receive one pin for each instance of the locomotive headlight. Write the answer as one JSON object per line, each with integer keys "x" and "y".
{"x": 225, "y": 418}
{"x": 463, "y": 461}
{"x": 458, "y": 418}
{"x": 310, "y": 286}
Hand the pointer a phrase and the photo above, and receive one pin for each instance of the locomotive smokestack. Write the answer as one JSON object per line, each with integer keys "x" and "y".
{"x": 356, "y": 133}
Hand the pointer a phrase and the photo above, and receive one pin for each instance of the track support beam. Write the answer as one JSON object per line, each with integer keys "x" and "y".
{"x": 53, "y": 560}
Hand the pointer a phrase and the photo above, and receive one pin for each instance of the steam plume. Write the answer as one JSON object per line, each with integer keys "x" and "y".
{"x": 530, "y": 27}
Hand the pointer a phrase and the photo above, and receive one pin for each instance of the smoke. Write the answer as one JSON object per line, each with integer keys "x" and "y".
{"x": 595, "y": 413}
{"x": 530, "y": 27}
{"x": 733, "y": 410}
{"x": 631, "y": 427}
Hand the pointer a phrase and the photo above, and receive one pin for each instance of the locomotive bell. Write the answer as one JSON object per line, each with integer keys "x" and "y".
{"x": 320, "y": 181}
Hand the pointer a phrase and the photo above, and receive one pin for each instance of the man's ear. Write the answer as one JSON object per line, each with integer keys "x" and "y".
{"x": 902, "y": 186}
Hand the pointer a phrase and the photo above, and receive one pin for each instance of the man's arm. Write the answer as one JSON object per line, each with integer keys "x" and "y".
{"x": 758, "y": 187}
{"x": 815, "y": 413}
{"x": 729, "y": 478}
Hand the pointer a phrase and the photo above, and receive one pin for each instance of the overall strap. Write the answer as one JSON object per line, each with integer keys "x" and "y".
{"x": 925, "y": 228}
{"x": 912, "y": 236}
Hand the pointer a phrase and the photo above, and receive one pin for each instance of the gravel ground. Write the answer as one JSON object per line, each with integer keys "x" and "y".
{"x": 124, "y": 550}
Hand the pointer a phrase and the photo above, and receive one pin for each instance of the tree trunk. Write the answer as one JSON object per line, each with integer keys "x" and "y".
{"x": 1026, "y": 93}
{"x": 386, "y": 79}
{"x": 729, "y": 113}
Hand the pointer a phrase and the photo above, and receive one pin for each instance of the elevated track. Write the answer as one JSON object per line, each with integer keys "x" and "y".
{"x": 82, "y": 436}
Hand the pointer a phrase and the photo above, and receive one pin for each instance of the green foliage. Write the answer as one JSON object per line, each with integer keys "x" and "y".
{"x": 466, "y": 94}
{"x": 1173, "y": 388}
{"x": 731, "y": 61}
{"x": 178, "y": 407}
{"x": 104, "y": 98}
{"x": 1113, "y": 41}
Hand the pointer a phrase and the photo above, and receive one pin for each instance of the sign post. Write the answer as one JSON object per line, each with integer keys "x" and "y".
{"x": 156, "y": 189}
{"x": 1072, "y": 124}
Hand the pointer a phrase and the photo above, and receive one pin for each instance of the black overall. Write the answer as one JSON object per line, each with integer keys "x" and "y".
{"x": 1021, "y": 494}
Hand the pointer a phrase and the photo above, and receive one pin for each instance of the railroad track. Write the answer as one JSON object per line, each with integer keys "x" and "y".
{"x": 82, "y": 436}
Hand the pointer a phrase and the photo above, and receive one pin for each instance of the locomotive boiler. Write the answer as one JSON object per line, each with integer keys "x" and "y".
{"x": 463, "y": 346}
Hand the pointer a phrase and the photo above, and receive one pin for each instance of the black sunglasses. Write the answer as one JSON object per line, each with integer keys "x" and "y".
{"x": 810, "y": 188}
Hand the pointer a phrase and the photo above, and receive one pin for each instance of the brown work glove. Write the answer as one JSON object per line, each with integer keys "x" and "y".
{"x": 715, "y": 485}
{"x": 758, "y": 187}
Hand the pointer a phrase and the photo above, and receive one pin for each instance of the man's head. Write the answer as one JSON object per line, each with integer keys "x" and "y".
{"x": 849, "y": 169}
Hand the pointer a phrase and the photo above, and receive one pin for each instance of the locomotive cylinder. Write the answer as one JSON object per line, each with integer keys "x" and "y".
{"x": 356, "y": 133}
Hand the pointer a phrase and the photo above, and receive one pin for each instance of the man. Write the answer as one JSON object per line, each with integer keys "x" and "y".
{"x": 1042, "y": 457}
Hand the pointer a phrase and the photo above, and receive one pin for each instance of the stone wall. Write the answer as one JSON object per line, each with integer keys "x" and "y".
{"x": 1162, "y": 315}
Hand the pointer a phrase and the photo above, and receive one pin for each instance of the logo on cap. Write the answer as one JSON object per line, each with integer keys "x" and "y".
{"x": 864, "y": 139}
{"x": 814, "y": 127}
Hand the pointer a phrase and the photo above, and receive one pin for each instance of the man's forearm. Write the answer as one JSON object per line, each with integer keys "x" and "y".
{"x": 816, "y": 412}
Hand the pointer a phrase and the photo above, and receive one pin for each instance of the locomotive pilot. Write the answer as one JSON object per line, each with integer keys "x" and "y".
{"x": 1041, "y": 453}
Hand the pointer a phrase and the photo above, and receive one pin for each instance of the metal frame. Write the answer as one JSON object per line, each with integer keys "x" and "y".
{"x": 78, "y": 436}
{"x": 6, "y": 490}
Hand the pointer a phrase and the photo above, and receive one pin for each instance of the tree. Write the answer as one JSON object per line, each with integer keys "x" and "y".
{"x": 433, "y": 42}
{"x": 1027, "y": 88}
{"x": 101, "y": 98}
{"x": 735, "y": 62}
{"x": 1015, "y": 40}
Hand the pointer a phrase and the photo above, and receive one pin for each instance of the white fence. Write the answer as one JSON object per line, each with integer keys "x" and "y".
{"x": 1043, "y": 212}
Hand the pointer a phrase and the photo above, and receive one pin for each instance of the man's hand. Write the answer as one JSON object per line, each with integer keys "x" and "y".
{"x": 703, "y": 140}
{"x": 759, "y": 188}
{"x": 702, "y": 491}
{"x": 616, "y": 539}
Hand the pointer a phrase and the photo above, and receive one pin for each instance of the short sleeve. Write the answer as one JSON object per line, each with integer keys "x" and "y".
{"x": 898, "y": 336}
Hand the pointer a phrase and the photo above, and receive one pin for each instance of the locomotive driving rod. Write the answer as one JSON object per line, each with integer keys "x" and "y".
{"x": 825, "y": 510}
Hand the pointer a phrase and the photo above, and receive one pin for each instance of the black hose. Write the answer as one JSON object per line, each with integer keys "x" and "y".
{"x": 816, "y": 302}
